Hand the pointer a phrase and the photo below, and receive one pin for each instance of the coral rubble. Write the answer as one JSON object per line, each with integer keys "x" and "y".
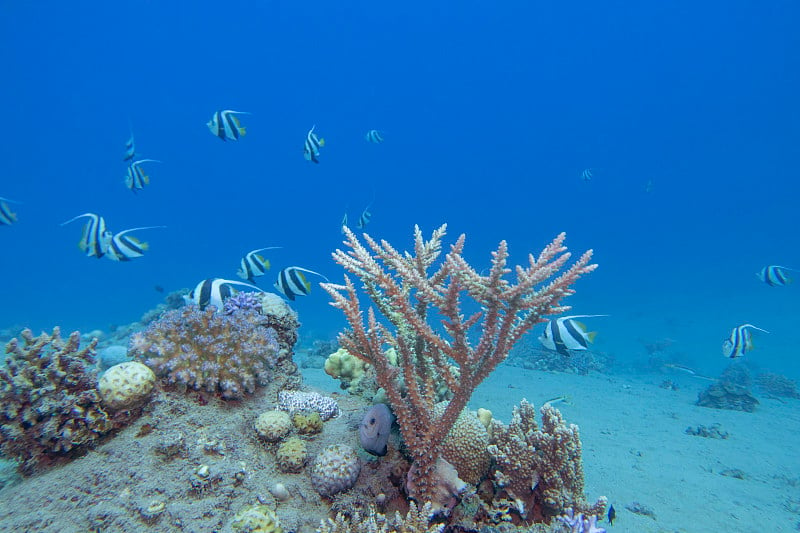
{"x": 51, "y": 407}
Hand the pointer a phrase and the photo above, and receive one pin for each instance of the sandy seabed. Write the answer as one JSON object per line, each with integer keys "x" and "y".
{"x": 635, "y": 451}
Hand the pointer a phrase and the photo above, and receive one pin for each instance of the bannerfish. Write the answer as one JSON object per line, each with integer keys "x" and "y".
{"x": 344, "y": 222}
{"x": 364, "y": 219}
{"x": 253, "y": 264}
{"x": 7, "y": 217}
{"x": 136, "y": 179}
{"x": 226, "y": 126}
{"x": 774, "y": 275}
{"x": 130, "y": 149}
{"x": 96, "y": 236}
{"x": 612, "y": 514}
{"x": 292, "y": 282}
{"x": 740, "y": 342}
{"x": 587, "y": 174}
{"x": 124, "y": 247}
{"x": 312, "y": 145}
{"x": 374, "y": 137}
{"x": 214, "y": 291}
{"x": 564, "y": 334}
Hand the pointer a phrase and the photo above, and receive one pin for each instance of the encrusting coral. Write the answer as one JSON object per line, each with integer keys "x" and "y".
{"x": 405, "y": 290}
{"x": 207, "y": 350}
{"x": 540, "y": 468}
{"x": 51, "y": 407}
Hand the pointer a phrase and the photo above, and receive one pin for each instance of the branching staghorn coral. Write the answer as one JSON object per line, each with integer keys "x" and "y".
{"x": 50, "y": 407}
{"x": 208, "y": 350}
{"x": 404, "y": 290}
{"x": 415, "y": 521}
{"x": 540, "y": 468}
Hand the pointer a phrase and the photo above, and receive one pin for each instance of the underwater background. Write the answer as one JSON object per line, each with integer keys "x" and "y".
{"x": 686, "y": 112}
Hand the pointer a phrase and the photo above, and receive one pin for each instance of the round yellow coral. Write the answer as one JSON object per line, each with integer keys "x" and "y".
{"x": 465, "y": 446}
{"x": 126, "y": 384}
{"x": 292, "y": 455}
{"x": 307, "y": 422}
{"x": 274, "y": 425}
{"x": 347, "y": 368}
{"x": 256, "y": 519}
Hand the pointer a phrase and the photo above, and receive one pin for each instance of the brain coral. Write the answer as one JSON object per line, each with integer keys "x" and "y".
{"x": 272, "y": 426}
{"x": 126, "y": 384}
{"x": 207, "y": 350}
{"x": 256, "y": 519}
{"x": 466, "y": 446}
{"x": 292, "y": 455}
{"x": 50, "y": 407}
{"x": 335, "y": 469}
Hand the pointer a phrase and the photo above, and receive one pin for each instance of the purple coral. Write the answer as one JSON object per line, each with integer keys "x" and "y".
{"x": 206, "y": 350}
{"x": 579, "y": 524}
{"x": 51, "y": 408}
{"x": 242, "y": 301}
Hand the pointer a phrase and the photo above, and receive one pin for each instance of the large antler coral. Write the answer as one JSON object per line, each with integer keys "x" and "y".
{"x": 404, "y": 291}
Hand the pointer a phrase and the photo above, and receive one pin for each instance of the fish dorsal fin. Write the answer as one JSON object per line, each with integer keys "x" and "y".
{"x": 91, "y": 215}
{"x": 753, "y": 327}
{"x": 580, "y": 325}
{"x": 121, "y": 233}
{"x": 240, "y": 283}
{"x": 301, "y": 269}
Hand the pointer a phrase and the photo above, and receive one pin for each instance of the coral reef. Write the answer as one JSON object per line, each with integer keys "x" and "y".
{"x": 206, "y": 350}
{"x": 579, "y": 524}
{"x": 530, "y": 355}
{"x": 777, "y": 385}
{"x": 293, "y": 401}
{"x": 126, "y": 384}
{"x": 415, "y": 521}
{"x": 405, "y": 290}
{"x": 256, "y": 519}
{"x": 540, "y": 469}
{"x": 347, "y": 368}
{"x": 466, "y": 446}
{"x": 335, "y": 469}
{"x": 51, "y": 408}
{"x": 242, "y": 301}
{"x": 727, "y": 395}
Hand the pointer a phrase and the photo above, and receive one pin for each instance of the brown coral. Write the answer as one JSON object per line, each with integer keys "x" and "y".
{"x": 51, "y": 408}
{"x": 465, "y": 447}
{"x": 540, "y": 469}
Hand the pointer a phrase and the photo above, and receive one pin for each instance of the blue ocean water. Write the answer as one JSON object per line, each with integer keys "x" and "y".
{"x": 490, "y": 111}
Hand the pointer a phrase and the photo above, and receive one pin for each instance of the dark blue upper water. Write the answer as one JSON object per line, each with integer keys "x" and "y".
{"x": 490, "y": 111}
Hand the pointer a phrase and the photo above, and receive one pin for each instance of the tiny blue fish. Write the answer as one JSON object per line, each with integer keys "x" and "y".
{"x": 587, "y": 174}
{"x": 740, "y": 342}
{"x": 7, "y": 217}
{"x": 374, "y": 137}
{"x": 774, "y": 275}
{"x": 226, "y": 126}
{"x": 364, "y": 219}
{"x": 312, "y": 146}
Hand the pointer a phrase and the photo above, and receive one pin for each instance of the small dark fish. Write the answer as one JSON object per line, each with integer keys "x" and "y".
{"x": 612, "y": 514}
{"x": 159, "y": 288}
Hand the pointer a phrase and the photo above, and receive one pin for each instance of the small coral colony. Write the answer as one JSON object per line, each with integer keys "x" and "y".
{"x": 417, "y": 375}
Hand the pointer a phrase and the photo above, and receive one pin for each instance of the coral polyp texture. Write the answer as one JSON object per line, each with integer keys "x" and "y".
{"x": 294, "y": 401}
{"x": 51, "y": 407}
{"x": 335, "y": 469}
{"x": 204, "y": 350}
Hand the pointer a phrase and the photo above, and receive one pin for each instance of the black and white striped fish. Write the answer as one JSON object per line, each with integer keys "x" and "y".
{"x": 96, "y": 236}
{"x": 364, "y": 219}
{"x": 587, "y": 174}
{"x": 312, "y": 146}
{"x": 226, "y": 126}
{"x": 292, "y": 282}
{"x": 130, "y": 149}
{"x": 740, "y": 342}
{"x": 253, "y": 264}
{"x": 374, "y": 137}
{"x": 774, "y": 275}
{"x": 136, "y": 179}
{"x": 124, "y": 247}
{"x": 344, "y": 222}
{"x": 564, "y": 334}
{"x": 7, "y": 217}
{"x": 214, "y": 291}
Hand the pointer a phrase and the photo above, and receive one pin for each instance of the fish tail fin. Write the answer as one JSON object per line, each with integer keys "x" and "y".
{"x": 591, "y": 335}
{"x": 322, "y": 142}
{"x": 146, "y": 179}
{"x": 242, "y": 131}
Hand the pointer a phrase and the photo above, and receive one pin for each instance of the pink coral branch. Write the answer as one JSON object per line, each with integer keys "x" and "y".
{"x": 403, "y": 288}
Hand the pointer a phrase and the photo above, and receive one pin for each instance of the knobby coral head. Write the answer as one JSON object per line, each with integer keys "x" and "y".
{"x": 206, "y": 350}
{"x": 405, "y": 287}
